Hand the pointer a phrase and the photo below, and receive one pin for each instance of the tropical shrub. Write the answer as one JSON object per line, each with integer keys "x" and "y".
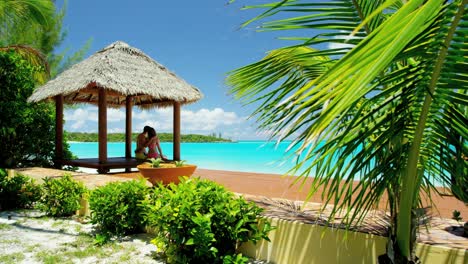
{"x": 235, "y": 259}
{"x": 456, "y": 215}
{"x": 116, "y": 208}
{"x": 155, "y": 163}
{"x": 199, "y": 221}
{"x": 179, "y": 163}
{"x": 61, "y": 196}
{"x": 18, "y": 191}
{"x": 26, "y": 130}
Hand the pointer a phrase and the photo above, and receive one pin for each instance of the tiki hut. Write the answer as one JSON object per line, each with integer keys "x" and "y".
{"x": 117, "y": 76}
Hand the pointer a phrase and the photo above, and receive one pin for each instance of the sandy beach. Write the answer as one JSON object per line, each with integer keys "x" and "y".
{"x": 29, "y": 237}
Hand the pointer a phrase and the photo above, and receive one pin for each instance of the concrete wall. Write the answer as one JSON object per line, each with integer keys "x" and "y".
{"x": 298, "y": 243}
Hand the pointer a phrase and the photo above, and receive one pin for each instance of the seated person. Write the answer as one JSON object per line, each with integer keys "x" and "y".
{"x": 154, "y": 148}
{"x": 142, "y": 140}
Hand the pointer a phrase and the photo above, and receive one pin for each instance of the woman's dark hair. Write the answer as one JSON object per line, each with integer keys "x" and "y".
{"x": 151, "y": 133}
{"x": 146, "y": 129}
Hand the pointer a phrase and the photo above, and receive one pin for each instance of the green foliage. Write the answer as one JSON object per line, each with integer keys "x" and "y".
{"x": 456, "y": 215}
{"x": 155, "y": 163}
{"x": 179, "y": 163}
{"x": 45, "y": 33}
{"x": 198, "y": 221}
{"x": 14, "y": 12}
{"x": 61, "y": 196}
{"x": 17, "y": 192}
{"x": 116, "y": 209}
{"x": 235, "y": 259}
{"x": 383, "y": 98}
{"x": 163, "y": 137}
{"x": 459, "y": 185}
{"x": 26, "y": 130}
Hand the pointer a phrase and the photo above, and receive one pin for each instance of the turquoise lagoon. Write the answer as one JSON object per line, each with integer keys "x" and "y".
{"x": 247, "y": 156}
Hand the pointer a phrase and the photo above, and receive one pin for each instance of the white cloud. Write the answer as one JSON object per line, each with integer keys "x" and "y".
{"x": 201, "y": 121}
{"x": 81, "y": 114}
{"x": 115, "y": 115}
{"x": 115, "y": 130}
{"x": 207, "y": 120}
{"x": 141, "y": 115}
{"x": 78, "y": 124}
{"x": 91, "y": 114}
{"x": 139, "y": 126}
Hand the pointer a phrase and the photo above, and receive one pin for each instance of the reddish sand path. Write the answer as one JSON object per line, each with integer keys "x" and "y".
{"x": 277, "y": 186}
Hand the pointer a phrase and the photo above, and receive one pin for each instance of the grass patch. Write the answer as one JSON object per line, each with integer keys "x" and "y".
{"x": 58, "y": 223}
{"x": 78, "y": 229}
{"x": 10, "y": 241}
{"x": 84, "y": 247}
{"x": 12, "y": 258}
{"x": 125, "y": 258}
{"x": 32, "y": 248}
{"x": 4, "y": 226}
{"x": 42, "y": 218}
{"x": 48, "y": 257}
{"x": 82, "y": 253}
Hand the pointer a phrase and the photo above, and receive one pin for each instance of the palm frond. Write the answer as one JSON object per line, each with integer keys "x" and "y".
{"x": 26, "y": 10}
{"x": 360, "y": 116}
{"x": 34, "y": 57}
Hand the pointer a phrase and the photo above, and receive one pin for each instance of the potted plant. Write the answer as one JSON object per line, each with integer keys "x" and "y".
{"x": 156, "y": 171}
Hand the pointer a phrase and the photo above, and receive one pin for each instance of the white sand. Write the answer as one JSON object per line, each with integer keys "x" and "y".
{"x": 28, "y": 237}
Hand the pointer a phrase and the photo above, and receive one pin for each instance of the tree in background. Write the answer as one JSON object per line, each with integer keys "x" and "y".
{"x": 388, "y": 103}
{"x": 26, "y": 131}
{"x": 31, "y": 30}
{"x": 15, "y": 14}
{"x": 44, "y": 36}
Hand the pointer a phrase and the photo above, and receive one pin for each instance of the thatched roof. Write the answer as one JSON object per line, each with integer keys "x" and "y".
{"x": 122, "y": 70}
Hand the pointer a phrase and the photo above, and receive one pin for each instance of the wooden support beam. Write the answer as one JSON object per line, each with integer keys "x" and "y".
{"x": 102, "y": 125}
{"x": 176, "y": 132}
{"x": 128, "y": 128}
{"x": 58, "y": 131}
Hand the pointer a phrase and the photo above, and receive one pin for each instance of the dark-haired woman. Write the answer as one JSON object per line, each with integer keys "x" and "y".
{"x": 154, "y": 147}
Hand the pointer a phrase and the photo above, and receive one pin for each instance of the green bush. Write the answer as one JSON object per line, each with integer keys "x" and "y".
{"x": 199, "y": 221}
{"x": 117, "y": 210}
{"x": 26, "y": 130}
{"x": 17, "y": 192}
{"x": 61, "y": 196}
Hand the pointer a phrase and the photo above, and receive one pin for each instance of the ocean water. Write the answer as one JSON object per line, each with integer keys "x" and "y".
{"x": 246, "y": 156}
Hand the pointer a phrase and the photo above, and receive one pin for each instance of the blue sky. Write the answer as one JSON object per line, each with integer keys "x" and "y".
{"x": 198, "y": 40}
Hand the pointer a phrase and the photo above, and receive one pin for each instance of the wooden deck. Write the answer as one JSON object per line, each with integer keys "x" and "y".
{"x": 90, "y": 180}
{"x": 111, "y": 163}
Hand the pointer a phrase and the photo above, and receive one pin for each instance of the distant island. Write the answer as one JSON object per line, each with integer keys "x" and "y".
{"x": 164, "y": 137}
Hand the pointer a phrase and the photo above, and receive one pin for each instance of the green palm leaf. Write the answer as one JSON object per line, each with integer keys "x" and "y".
{"x": 380, "y": 112}
{"x": 25, "y": 12}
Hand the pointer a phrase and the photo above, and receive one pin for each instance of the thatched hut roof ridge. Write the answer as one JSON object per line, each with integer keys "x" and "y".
{"x": 122, "y": 70}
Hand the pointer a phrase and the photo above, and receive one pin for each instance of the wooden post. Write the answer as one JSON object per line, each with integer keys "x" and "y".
{"x": 176, "y": 132}
{"x": 58, "y": 131}
{"x": 102, "y": 125}
{"x": 128, "y": 128}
